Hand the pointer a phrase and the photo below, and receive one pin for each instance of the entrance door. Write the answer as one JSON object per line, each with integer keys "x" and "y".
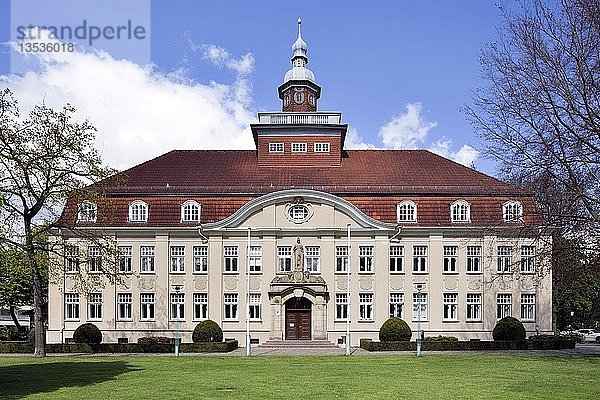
{"x": 297, "y": 319}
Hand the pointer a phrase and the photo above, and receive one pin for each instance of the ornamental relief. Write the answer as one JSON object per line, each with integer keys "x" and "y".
{"x": 505, "y": 285}
{"x": 230, "y": 282}
{"x": 366, "y": 283}
{"x": 255, "y": 283}
{"x": 474, "y": 283}
{"x": 200, "y": 283}
{"x": 148, "y": 282}
{"x": 396, "y": 283}
{"x": 527, "y": 284}
{"x": 177, "y": 280}
{"x": 450, "y": 283}
{"x": 341, "y": 283}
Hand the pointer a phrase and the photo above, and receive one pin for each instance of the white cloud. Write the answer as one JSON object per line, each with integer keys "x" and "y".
{"x": 139, "y": 112}
{"x": 406, "y": 131}
{"x": 220, "y": 57}
{"x": 355, "y": 142}
{"x": 466, "y": 155}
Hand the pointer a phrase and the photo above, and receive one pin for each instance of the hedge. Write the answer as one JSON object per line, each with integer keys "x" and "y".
{"x": 531, "y": 344}
{"x": 205, "y": 347}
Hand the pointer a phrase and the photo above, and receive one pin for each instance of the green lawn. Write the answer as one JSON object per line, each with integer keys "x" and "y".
{"x": 306, "y": 377}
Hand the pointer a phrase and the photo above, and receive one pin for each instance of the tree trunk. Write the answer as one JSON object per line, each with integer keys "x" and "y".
{"x": 38, "y": 298}
{"x": 13, "y": 315}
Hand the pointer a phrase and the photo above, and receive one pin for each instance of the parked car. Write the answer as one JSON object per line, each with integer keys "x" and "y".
{"x": 590, "y": 335}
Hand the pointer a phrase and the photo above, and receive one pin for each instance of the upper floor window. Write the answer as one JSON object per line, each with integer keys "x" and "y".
{"x": 299, "y": 213}
{"x": 190, "y": 211}
{"x": 407, "y": 211}
{"x": 313, "y": 259}
{"x": 396, "y": 259}
{"x": 512, "y": 211}
{"x": 341, "y": 259}
{"x": 284, "y": 258}
{"x": 255, "y": 259}
{"x": 420, "y": 259}
{"x": 231, "y": 259}
{"x": 86, "y": 212}
{"x": 298, "y": 147}
{"x": 528, "y": 259}
{"x": 504, "y": 259}
{"x": 72, "y": 259}
{"x": 321, "y": 148}
{"x": 365, "y": 258}
{"x": 94, "y": 259}
{"x": 138, "y": 211}
{"x": 450, "y": 259}
{"x": 460, "y": 211}
{"x": 275, "y": 147}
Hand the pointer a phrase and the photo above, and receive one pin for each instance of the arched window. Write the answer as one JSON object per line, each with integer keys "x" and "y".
{"x": 460, "y": 211}
{"x": 512, "y": 211}
{"x": 407, "y": 211}
{"x": 86, "y": 212}
{"x": 138, "y": 211}
{"x": 190, "y": 211}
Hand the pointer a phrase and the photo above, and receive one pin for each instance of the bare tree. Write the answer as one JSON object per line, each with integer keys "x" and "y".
{"x": 44, "y": 159}
{"x": 540, "y": 113}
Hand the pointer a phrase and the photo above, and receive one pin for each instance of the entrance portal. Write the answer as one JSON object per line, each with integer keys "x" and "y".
{"x": 297, "y": 318}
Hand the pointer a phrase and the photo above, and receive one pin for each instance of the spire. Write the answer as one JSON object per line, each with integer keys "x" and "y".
{"x": 299, "y": 59}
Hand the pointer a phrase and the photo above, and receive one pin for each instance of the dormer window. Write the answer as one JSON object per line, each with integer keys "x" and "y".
{"x": 321, "y": 148}
{"x": 86, "y": 212}
{"x": 407, "y": 211}
{"x": 275, "y": 147}
{"x": 512, "y": 211}
{"x": 138, "y": 211}
{"x": 298, "y": 147}
{"x": 460, "y": 211}
{"x": 190, "y": 211}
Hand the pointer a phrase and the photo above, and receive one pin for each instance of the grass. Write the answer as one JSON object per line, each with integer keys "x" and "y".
{"x": 303, "y": 377}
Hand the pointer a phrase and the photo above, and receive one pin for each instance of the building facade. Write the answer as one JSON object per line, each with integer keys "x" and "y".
{"x": 305, "y": 239}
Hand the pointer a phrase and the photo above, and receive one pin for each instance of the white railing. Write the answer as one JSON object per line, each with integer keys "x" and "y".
{"x": 299, "y": 118}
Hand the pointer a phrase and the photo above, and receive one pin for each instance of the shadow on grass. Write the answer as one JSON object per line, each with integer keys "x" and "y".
{"x": 17, "y": 381}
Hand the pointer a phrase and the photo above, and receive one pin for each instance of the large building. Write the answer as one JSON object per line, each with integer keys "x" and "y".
{"x": 305, "y": 238}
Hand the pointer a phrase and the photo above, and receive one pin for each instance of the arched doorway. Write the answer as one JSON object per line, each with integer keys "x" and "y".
{"x": 298, "y": 318}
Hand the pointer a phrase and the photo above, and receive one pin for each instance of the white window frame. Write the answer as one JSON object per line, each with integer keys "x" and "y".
{"x": 527, "y": 307}
{"x": 420, "y": 259}
{"x": 147, "y": 259}
{"x": 201, "y": 259}
{"x": 312, "y": 259}
{"x": 255, "y": 307}
{"x": 365, "y": 307}
{"x": 341, "y": 306}
{"x": 124, "y": 306}
{"x": 177, "y": 259}
{"x": 406, "y": 211}
{"x": 504, "y": 259}
{"x": 527, "y": 259}
{"x": 460, "y": 211}
{"x": 415, "y": 307}
{"x": 95, "y": 307}
{"x": 473, "y": 310}
{"x": 299, "y": 148}
{"x": 341, "y": 259}
{"x": 503, "y": 305}
{"x": 177, "y": 301}
{"x": 147, "y": 306}
{"x": 366, "y": 259}
{"x": 231, "y": 260}
{"x": 72, "y": 306}
{"x": 138, "y": 211}
{"x": 87, "y": 211}
{"x": 230, "y": 301}
{"x": 125, "y": 259}
{"x": 450, "y": 301}
{"x": 94, "y": 260}
{"x": 512, "y": 211}
{"x": 397, "y": 305}
{"x": 396, "y": 259}
{"x": 276, "y": 147}
{"x": 200, "y": 306}
{"x": 474, "y": 260}
{"x": 255, "y": 259}
{"x": 72, "y": 261}
{"x": 284, "y": 259}
{"x": 321, "y": 147}
{"x": 450, "y": 260}
{"x": 191, "y": 211}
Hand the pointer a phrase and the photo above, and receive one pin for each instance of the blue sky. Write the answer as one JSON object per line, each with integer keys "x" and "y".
{"x": 399, "y": 71}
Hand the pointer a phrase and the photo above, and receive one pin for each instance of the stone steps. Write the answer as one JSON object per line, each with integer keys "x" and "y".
{"x": 298, "y": 344}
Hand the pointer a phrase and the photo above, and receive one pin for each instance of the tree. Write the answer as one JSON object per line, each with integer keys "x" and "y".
{"x": 44, "y": 159}
{"x": 540, "y": 113}
{"x": 15, "y": 282}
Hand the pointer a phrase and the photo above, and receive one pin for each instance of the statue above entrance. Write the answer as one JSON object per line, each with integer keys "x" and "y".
{"x": 298, "y": 256}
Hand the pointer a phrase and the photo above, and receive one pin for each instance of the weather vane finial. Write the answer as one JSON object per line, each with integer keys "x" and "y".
{"x": 299, "y": 24}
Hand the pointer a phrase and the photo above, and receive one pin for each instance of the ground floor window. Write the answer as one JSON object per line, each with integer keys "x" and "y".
{"x": 231, "y": 306}
{"x": 255, "y": 301}
{"x": 95, "y": 306}
{"x": 504, "y": 305}
{"x": 365, "y": 306}
{"x": 396, "y": 304}
{"x": 341, "y": 306}
{"x": 200, "y": 306}
{"x": 415, "y": 310}
{"x": 71, "y": 306}
{"x": 124, "y": 301}
{"x": 528, "y": 307}
{"x": 178, "y": 306}
{"x": 147, "y": 306}
{"x": 473, "y": 306}
{"x": 450, "y": 306}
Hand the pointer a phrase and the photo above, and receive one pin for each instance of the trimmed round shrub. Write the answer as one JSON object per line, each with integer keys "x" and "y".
{"x": 509, "y": 328}
{"x": 207, "y": 331}
{"x": 394, "y": 330}
{"x": 87, "y": 333}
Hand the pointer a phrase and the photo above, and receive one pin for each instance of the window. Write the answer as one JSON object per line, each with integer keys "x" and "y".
{"x": 147, "y": 259}
{"x": 178, "y": 306}
{"x": 231, "y": 306}
{"x": 312, "y": 260}
{"x": 254, "y": 306}
{"x": 147, "y": 306}
{"x": 450, "y": 259}
{"x": 504, "y": 259}
{"x": 512, "y": 211}
{"x": 365, "y": 306}
{"x": 341, "y": 259}
{"x": 460, "y": 211}
{"x": 298, "y": 147}
{"x": 407, "y": 211}
{"x": 473, "y": 306}
{"x": 201, "y": 259}
{"x": 321, "y": 148}
{"x": 528, "y": 307}
{"x": 95, "y": 306}
{"x": 138, "y": 211}
{"x": 473, "y": 259}
{"x": 504, "y": 302}
{"x": 86, "y": 212}
{"x": 311, "y": 100}
{"x": 275, "y": 147}
{"x": 396, "y": 259}
{"x": 415, "y": 313}
{"x": 420, "y": 259}
{"x": 298, "y": 97}
{"x": 284, "y": 258}
{"x": 396, "y": 304}
{"x": 299, "y": 213}
{"x": 255, "y": 259}
{"x": 527, "y": 259}
{"x": 177, "y": 259}
{"x": 71, "y": 306}
{"x": 450, "y": 306}
{"x": 71, "y": 259}
{"x": 231, "y": 259}
{"x": 341, "y": 306}
{"x": 124, "y": 306}
{"x": 365, "y": 258}
{"x": 200, "y": 306}
{"x": 286, "y": 100}
{"x": 125, "y": 258}
{"x": 94, "y": 259}
{"x": 190, "y": 211}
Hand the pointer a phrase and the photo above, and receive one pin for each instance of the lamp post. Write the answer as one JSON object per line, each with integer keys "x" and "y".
{"x": 419, "y": 289}
{"x": 348, "y": 295}
{"x": 177, "y": 289}
{"x": 571, "y": 326}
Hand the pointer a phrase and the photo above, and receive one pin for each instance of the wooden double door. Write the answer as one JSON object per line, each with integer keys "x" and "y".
{"x": 298, "y": 319}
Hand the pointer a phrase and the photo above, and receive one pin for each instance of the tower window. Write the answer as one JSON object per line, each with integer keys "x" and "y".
{"x": 311, "y": 100}
{"x": 286, "y": 100}
{"x": 299, "y": 97}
